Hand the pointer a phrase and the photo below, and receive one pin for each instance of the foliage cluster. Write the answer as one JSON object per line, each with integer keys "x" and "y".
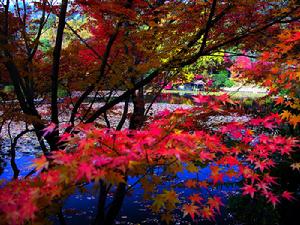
{"x": 117, "y": 51}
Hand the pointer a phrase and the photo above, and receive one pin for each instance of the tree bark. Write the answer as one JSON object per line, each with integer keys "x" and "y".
{"x": 116, "y": 205}
{"x": 55, "y": 72}
{"x": 137, "y": 119}
{"x": 101, "y": 203}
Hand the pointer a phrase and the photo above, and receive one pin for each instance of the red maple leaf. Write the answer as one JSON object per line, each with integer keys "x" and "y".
{"x": 269, "y": 179}
{"x": 200, "y": 99}
{"x": 287, "y": 195}
{"x": 225, "y": 98}
{"x": 262, "y": 165}
{"x": 248, "y": 189}
{"x": 206, "y": 156}
{"x": 28, "y": 210}
{"x": 273, "y": 199}
{"x": 85, "y": 170}
{"x": 49, "y": 129}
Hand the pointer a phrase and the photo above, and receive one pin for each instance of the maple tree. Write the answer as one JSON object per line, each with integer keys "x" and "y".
{"x": 136, "y": 45}
{"x": 110, "y": 156}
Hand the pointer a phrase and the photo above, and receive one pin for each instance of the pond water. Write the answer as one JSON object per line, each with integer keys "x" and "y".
{"x": 80, "y": 208}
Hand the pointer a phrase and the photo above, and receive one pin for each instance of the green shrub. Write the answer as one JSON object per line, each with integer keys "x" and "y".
{"x": 221, "y": 79}
{"x": 62, "y": 92}
{"x": 8, "y": 88}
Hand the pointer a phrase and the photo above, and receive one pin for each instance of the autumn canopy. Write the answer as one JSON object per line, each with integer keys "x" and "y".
{"x": 82, "y": 77}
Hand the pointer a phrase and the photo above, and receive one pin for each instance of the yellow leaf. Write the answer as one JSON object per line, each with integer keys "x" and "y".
{"x": 166, "y": 218}
{"x": 159, "y": 202}
{"x": 294, "y": 120}
{"x": 285, "y": 115}
{"x": 192, "y": 168}
{"x": 296, "y": 166}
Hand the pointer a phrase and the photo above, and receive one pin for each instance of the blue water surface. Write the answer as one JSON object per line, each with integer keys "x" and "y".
{"x": 81, "y": 207}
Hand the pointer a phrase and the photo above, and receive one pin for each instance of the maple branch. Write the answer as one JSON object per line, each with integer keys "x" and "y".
{"x": 124, "y": 114}
{"x": 27, "y": 107}
{"x": 91, "y": 105}
{"x": 107, "y": 51}
{"x": 237, "y": 54}
{"x": 154, "y": 73}
{"x": 12, "y": 153}
{"x": 60, "y": 216}
{"x": 27, "y": 83}
{"x": 6, "y": 8}
{"x": 235, "y": 39}
{"x": 42, "y": 23}
{"x": 41, "y": 141}
{"x": 25, "y": 11}
{"x": 13, "y": 150}
{"x": 208, "y": 25}
{"x": 130, "y": 187}
{"x": 90, "y": 88}
{"x": 84, "y": 41}
{"x": 123, "y": 96}
{"x": 106, "y": 120}
{"x": 297, "y": 18}
{"x": 79, "y": 102}
{"x": 155, "y": 98}
{"x": 200, "y": 33}
{"x": 169, "y": 65}
{"x": 150, "y": 169}
{"x": 31, "y": 172}
{"x": 166, "y": 81}
{"x": 102, "y": 67}
{"x": 9, "y": 64}
{"x": 249, "y": 32}
{"x": 110, "y": 147}
{"x": 88, "y": 46}
{"x": 15, "y": 77}
{"x": 56, "y": 61}
{"x": 23, "y": 22}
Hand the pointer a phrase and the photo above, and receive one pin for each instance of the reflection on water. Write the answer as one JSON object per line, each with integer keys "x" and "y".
{"x": 2, "y": 164}
{"x": 24, "y": 161}
{"x": 80, "y": 208}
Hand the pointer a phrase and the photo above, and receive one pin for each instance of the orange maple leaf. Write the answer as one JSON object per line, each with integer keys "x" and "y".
{"x": 191, "y": 183}
{"x": 190, "y": 209}
{"x": 285, "y": 114}
{"x": 207, "y": 213}
{"x": 196, "y": 198}
{"x": 294, "y": 120}
{"x": 279, "y": 100}
{"x": 41, "y": 163}
{"x": 215, "y": 203}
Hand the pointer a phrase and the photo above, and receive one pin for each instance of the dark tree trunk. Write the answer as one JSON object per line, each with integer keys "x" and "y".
{"x": 137, "y": 119}
{"x": 116, "y": 205}
{"x": 101, "y": 203}
{"x": 55, "y": 72}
